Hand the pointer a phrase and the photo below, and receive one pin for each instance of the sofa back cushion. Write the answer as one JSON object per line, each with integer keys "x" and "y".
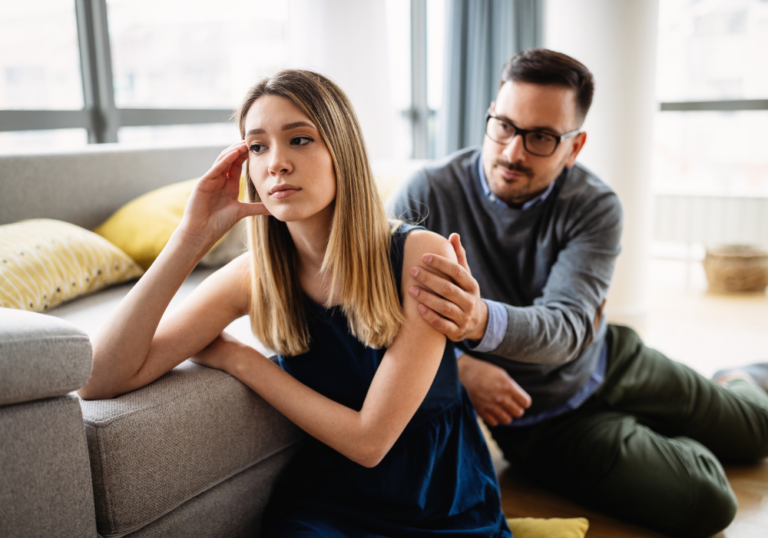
{"x": 86, "y": 186}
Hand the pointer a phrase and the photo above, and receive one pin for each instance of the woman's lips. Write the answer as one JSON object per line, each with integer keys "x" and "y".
{"x": 284, "y": 193}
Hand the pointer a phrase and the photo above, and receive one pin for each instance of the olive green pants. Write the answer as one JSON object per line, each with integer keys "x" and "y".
{"x": 647, "y": 446}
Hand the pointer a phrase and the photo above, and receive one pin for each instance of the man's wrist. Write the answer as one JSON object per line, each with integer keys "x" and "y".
{"x": 477, "y": 334}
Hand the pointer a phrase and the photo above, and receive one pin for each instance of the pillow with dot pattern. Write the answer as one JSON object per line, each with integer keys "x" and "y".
{"x": 45, "y": 262}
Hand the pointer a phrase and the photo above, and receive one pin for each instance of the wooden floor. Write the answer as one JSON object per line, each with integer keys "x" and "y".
{"x": 706, "y": 331}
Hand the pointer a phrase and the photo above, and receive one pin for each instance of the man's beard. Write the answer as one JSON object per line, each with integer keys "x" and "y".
{"x": 514, "y": 167}
{"x": 511, "y": 195}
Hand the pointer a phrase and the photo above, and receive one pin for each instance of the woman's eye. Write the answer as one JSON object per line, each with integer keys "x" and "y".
{"x": 255, "y": 148}
{"x": 301, "y": 140}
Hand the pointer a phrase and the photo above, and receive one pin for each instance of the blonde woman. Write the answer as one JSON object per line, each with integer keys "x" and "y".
{"x": 395, "y": 448}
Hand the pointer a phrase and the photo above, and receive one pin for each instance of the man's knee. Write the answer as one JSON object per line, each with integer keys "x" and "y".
{"x": 713, "y": 509}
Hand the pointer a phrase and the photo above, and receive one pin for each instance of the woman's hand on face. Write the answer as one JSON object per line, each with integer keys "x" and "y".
{"x": 213, "y": 207}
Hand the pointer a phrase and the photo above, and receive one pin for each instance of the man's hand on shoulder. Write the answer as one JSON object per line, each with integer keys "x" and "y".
{"x": 497, "y": 398}
{"x": 449, "y": 298}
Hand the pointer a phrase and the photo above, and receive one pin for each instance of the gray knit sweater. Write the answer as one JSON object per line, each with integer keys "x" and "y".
{"x": 550, "y": 265}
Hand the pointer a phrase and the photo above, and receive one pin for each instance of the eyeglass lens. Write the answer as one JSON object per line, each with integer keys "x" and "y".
{"x": 535, "y": 142}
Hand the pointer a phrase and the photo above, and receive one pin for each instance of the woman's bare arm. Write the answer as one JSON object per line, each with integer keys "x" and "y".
{"x": 131, "y": 350}
{"x": 398, "y": 388}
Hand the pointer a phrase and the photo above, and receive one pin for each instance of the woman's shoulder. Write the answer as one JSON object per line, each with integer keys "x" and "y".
{"x": 419, "y": 242}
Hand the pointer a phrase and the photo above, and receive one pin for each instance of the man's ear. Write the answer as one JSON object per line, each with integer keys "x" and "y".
{"x": 578, "y": 142}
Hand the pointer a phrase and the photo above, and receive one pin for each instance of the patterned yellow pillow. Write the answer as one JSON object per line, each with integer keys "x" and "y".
{"x": 44, "y": 263}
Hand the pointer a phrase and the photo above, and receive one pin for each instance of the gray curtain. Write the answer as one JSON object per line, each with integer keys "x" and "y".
{"x": 481, "y": 36}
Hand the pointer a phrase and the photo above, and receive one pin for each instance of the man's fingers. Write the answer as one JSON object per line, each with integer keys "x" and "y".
{"x": 488, "y": 417}
{"x": 445, "y": 308}
{"x": 461, "y": 254}
{"x": 447, "y": 327}
{"x": 461, "y": 276}
{"x": 439, "y": 285}
{"x": 520, "y": 396}
{"x": 512, "y": 407}
{"x": 500, "y": 415}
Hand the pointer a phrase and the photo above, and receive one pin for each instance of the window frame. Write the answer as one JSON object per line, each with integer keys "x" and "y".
{"x": 100, "y": 117}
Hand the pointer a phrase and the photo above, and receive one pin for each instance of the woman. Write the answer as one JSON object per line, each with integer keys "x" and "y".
{"x": 396, "y": 450}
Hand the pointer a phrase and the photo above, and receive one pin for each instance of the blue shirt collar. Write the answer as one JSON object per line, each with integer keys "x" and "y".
{"x": 492, "y": 197}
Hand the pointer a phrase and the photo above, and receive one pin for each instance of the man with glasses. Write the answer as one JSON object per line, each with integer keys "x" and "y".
{"x": 582, "y": 406}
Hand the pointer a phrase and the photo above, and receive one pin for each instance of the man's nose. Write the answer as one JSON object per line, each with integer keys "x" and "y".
{"x": 515, "y": 149}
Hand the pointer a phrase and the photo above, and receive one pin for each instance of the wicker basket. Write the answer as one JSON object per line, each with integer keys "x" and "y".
{"x": 736, "y": 268}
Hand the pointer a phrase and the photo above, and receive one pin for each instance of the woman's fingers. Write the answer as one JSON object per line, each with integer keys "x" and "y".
{"x": 253, "y": 209}
{"x": 223, "y": 165}
{"x": 229, "y": 149}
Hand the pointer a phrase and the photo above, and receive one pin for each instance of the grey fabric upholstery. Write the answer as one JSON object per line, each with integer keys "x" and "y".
{"x": 40, "y": 356}
{"x": 45, "y": 478}
{"x": 86, "y": 186}
{"x": 154, "y": 449}
{"x": 233, "y": 509}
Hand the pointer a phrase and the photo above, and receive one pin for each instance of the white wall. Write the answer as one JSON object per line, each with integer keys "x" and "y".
{"x": 616, "y": 40}
{"x": 346, "y": 40}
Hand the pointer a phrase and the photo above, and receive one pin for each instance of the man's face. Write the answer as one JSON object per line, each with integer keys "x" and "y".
{"x": 514, "y": 175}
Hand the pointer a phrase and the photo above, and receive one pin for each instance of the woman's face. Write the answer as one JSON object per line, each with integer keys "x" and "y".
{"x": 288, "y": 162}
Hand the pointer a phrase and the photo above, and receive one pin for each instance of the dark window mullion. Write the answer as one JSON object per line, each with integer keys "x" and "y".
{"x": 96, "y": 68}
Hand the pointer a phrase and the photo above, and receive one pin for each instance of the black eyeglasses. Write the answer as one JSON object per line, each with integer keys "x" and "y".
{"x": 536, "y": 143}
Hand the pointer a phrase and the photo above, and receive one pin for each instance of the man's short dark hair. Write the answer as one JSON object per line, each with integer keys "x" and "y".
{"x": 550, "y": 68}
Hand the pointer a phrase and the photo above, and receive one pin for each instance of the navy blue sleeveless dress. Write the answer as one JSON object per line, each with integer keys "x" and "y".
{"x": 437, "y": 480}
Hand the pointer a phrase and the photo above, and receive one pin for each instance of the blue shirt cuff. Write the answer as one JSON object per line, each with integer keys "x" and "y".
{"x": 495, "y": 331}
{"x": 457, "y": 352}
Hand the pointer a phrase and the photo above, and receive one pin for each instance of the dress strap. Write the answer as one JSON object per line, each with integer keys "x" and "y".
{"x": 397, "y": 250}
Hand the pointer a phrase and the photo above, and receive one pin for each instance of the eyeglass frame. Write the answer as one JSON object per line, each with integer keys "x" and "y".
{"x": 523, "y": 132}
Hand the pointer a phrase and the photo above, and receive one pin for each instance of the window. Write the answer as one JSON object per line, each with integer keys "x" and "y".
{"x": 138, "y": 71}
{"x": 712, "y": 82}
{"x": 39, "y": 56}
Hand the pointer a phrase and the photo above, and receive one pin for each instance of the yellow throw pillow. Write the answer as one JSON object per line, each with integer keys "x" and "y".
{"x": 143, "y": 226}
{"x": 44, "y": 263}
{"x": 529, "y": 527}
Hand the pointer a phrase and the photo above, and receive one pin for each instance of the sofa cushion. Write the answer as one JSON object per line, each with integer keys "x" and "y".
{"x": 46, "y": 262}
{"x": 233, "y": 509}
{"x": 45, "y": 478}
{"x": 158, "y": 447}
{"x": 40, "y": 356}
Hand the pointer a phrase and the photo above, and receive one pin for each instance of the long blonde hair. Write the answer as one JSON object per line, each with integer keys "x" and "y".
{"x": 357, "y": 257}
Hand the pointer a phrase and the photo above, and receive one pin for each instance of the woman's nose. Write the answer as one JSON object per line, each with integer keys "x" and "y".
{"x": 279, "y": 163}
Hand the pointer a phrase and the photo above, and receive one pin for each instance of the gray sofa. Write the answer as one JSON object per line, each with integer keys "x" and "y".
{"x": 193, "y": 454}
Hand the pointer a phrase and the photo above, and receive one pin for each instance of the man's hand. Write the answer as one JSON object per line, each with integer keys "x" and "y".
{"x": 450, "y": 299}
{"x": 498, "y": 399}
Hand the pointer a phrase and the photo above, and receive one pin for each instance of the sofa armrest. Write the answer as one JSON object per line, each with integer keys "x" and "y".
{"x": 40, "y": 356}
{"x": 158, "y": 447}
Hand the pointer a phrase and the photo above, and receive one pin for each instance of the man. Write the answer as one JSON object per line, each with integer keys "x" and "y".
{"x": 582, "y": 406}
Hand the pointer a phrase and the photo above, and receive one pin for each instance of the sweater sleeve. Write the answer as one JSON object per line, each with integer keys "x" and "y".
{"x": 563, "y": 321}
